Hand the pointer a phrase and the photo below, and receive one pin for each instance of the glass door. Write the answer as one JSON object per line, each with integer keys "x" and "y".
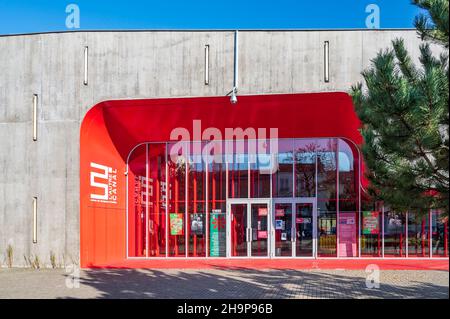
{"x": 304, "y": 230}
{"x": 249, "y": 228}
{"x": 294, "y": 228}
{"x": 259, "y": 230}
{"x": 239, "y": 230}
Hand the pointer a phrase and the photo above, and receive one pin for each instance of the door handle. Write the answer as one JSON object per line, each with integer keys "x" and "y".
{"x": 249, "y": 234}
{"x": 293, "y": 235}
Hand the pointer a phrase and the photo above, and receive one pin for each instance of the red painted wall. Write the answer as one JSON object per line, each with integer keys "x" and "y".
{"x": 111, "y": 129}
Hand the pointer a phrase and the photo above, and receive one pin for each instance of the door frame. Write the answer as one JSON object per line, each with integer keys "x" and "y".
{"x": 293, "y": 202}
{"x": 249, "y": 202}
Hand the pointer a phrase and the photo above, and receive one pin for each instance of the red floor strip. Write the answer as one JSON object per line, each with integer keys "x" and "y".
{"x": 348, "y": 264}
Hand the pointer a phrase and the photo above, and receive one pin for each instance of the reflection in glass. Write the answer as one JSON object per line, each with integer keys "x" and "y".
{"x": 439, "y": 230}
{"x": 305, "y": 168}
{"x": 282, "y": 182}
{"x": 418, "y": 235}
{"x": 394, "y": 234}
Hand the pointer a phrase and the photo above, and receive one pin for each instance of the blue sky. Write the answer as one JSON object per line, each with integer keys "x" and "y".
{"x": 25, "y": 16}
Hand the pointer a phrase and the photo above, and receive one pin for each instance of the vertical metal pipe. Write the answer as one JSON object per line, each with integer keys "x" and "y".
{"x": 166, "y": 219}
{"x": 186, "y": 205}
{"x": 236, "y": 60}
{"x": 206, "y": 214}
{"x": 337, "y": 199}
{"x": 430, "y": 232}
{"x": 147, "y": 179}
{"x": 382, "y": 229}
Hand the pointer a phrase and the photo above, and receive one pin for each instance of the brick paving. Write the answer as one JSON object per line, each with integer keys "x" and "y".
{"x": 221, "y": 283}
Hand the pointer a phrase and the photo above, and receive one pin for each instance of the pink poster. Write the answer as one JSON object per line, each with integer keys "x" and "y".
{"x": 347, "y": 234}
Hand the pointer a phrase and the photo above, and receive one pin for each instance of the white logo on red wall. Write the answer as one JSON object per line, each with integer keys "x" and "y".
{"x": 103, "y": 182}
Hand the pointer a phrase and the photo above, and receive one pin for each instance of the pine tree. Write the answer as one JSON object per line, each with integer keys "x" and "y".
{"x": 405, "y": 117}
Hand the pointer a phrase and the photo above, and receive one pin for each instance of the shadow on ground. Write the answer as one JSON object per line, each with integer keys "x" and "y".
{"x": 253, "y": 283}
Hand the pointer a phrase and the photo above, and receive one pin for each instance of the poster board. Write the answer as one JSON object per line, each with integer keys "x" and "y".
{"x": 347, "y": 235}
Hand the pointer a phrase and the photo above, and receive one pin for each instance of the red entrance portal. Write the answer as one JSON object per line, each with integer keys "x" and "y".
{"x": 112, "y": 129}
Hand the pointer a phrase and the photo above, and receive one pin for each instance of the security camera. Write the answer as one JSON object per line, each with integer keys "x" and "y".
{"x": 233, "y": 98}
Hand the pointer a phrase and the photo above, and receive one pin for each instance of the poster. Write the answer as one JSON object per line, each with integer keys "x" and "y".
{"x": 262, "y": 234}
{"x": 176, "y": 224}
{"x": 262, "y": 211}
{"x": 301, "y": 220}
{"x": 217, "y": 234}
{"x": 279, "y": 212}
{"x": 347, "y": 235}
{"x": 279, "y": 224}
{"x": 370, "y": 223}
{"x": 283, "y": 236}
{"x": 197, "y": 224}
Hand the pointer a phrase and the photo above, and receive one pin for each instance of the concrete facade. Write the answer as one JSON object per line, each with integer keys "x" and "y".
{"x": 129, "y": 65}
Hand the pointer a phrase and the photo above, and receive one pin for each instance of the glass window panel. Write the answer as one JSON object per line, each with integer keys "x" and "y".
{"x": 282, "y": 184}
{"x": 326, "y": 168}
{"x": 196, "y": 227}
{"x": 260, "y": 173}
{"x": 348, "y": 171}
{"x": 237, "y": 158}
{"x": 305, "y": 168}
{"x": 177, "y": 160}
{"x": 326, "y": 224}
{"x": 157, "y": 200}
{"x": 439, "y": 230}
{"x": 217, "y": 200}
{"x": 394, "y": 234}
{"x": 418, "y": 235}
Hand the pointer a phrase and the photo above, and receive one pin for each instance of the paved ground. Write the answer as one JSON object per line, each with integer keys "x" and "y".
{"x": 221, "y": 283}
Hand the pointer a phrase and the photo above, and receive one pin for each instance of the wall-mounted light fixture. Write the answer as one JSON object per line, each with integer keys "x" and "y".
{"x": 326, "y": 59}
{"x": 207, "y": 64}
{"x": 34, "y": 220}
{"x": 35, "y": 115}
{"x": 86, "y": 55}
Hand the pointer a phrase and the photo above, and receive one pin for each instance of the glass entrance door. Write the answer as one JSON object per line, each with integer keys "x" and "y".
{"x": 239, "y": 230}
{"x": 294, "y": 228}
{"x": 249, "y": 228}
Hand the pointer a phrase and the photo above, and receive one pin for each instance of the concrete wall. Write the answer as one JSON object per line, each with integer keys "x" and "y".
{"x": 134, "y": 65}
